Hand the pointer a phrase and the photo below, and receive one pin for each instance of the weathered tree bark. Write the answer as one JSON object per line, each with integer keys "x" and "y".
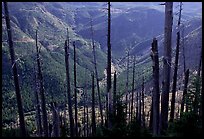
{"x": 139, "y": 107}
{"x": 166, "y": 65}
{"x": 56, "y": 121}
{"x": 96, "y": 74}
{"x": 156, "y": 92}
{"x": 126, "y": 86}
{"x": 198, "y": 76}
{"x": 133, "y": 87}
{"x": 114, "y": 96}
{"x": 143, "y": 106}
{"x": 198, "y": 85}
{"x": 175, "y": 69}
{"x": 75, "y": 92}
{"x": 42, "y": 91}
{"x": 87, "y": 115}
{"x": 184, "y": 91}
{"x": 37, "y": 106}
{"x": 109, "y": 111}
{"x": 23, "y": 132}
{"x": 66, "y": 47}
{"x": 93, "y": 109}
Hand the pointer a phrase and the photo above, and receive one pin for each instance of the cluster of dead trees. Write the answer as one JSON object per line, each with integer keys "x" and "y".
{"x": 158, "y": 116}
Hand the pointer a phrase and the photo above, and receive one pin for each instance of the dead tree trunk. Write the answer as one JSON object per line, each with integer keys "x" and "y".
{"x": 184, "y": 91}
{"x": 139, "y": 107}
{"x": 167, "y": 64}
{"x": 156, "y": 92}
{"x": 15, "y": 73}
{"x": 56, "y": 121}
{"x": 114, "y": 96}
{"x": 66, "y": 47}
{"x": 75, "y": 92}
{"x": 198, "y": 85}
{"x": 127, "y": 80}
{"x": 133, "y": 87}
{"x": 175, "y": 69}
{"x": 198, "y": 76}
{"x": 143, "y": 106}
{"x": 37, "y": 106}
{"x": 87, "y": 115}
{"x": 93, "y": 109}
{"x": 96, "y": 74}
{"x": 109, "y": 112}
{"x": 42, "y": 91}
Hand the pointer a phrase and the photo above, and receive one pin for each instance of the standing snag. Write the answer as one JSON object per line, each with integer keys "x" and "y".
{"x": 166, "y": 64}
{"x": 66, "y": 48}
{"x": 156, "y": 92}
{"x": 15, "y": 74}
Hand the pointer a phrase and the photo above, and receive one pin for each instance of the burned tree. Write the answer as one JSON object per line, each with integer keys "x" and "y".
{"x": 66, "y": 47}
{"x": 23, "y": 132}
{"x": 175, "y": 68}
{"x": 156, "y": 92}
{"x": 96, "y": 74}
{"x": 184, "y": 91}
{"x": 42, "y": 90}
{"x": 109, "y": 102}
{"x": 75, "y": 92}
{"x": 133, "y": 87}
{"x": 93, "y": 109}
{"x": 166, "y": 64}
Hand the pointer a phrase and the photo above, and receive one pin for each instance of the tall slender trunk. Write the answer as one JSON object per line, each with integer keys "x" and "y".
{"x": 151, "y": 117}
{"x": 175, "y": 69}
{"x": 137, "y": 104}
{"x": 96, "y": 74}
{"x": 93, "y": 109}
{"x": 37, "y": 106}
{"x": 87, "y": 114}
{"x": 75, "y": 92}
{"x": 15, "y": 73}
{"x": 198, "y": 84}
{"x": 114, "y": 96}
{"x": 127, "y": 81}
{"x": 133, "y": 87}
{"x": 166, "y": 65}
{"x": 56, "y": 121}
{"x": 42, "y": 91}
{"x": 184, "y": 91}
{"x": 139, "y": 107}
{"x": 109, "y": 111}
{"x": 156, "y": 92}
{"x": 198, "y": 76}
{"x": 66, "y": 47}
{"x": 143, "y": 106}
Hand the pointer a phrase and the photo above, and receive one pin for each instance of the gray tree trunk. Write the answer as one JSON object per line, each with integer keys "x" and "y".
{"x": 75, "y": 92}
{"x": 133, "y": 87}
{"x": 96, "y": 74}
{"x": 184, "y": 91}
{"x": 109, "y": 112}
{"x": 23, "y": 132}
{"x": 42, "y": 91}
{"x": 166, "y": 65}
{"x": 93, "y": 109}
{"x": 156, "y": 92}
{"x": 175, "y": 69}
{"x": 66, "y": 47}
